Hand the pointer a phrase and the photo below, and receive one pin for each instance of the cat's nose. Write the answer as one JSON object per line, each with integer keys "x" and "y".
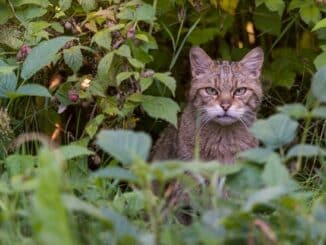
{"x": 225, "y": 106}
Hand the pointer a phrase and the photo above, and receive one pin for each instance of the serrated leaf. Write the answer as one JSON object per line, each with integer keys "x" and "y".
{"x": 30, "y": 90}
{"x": 161, "y": 107}
{"x": 145, "y": 83}
{"x": 145, "y": 12}
{"x": 64, "y": 4}
{"x": 124, "y": 51}
{"x": 123, "y": 76}
{"x": 57, "y": 27}
{"x": 305, "y": 150}
{"x": 167, "y": 80}
{"x": 275, "y": 173}
{"x": 104, "y": 66}
{"x": 295, "y": 110}
{"x": 136, "y": 63}
{"x": 42, "y": 55}
{"x": 275, "y": 131}
{"x": 125, "y": 145}
{"x": 92, "y": 125}
{"x": 88, "y": 5}
{"x": 103, "y": 38}
{"x": 27, "y": 14}
{"x": 10, "y": 36}
{"x": 318, "y": 86}
{"x": 73, "y": 58}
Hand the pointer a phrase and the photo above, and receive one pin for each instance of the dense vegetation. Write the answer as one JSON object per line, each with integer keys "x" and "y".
{"x": 72, "y": 71}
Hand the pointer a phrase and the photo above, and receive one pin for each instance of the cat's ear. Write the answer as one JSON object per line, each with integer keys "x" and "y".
{"x": 253, "y": 62}
{"x": 199, "y": 61}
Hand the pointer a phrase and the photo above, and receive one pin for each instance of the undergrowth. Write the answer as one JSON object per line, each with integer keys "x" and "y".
{"x": 80, "y": 80}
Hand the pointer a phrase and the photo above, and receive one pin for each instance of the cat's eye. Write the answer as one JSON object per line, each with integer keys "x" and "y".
{"x": 240, "y": 91}
{"x": 211, "y": 91}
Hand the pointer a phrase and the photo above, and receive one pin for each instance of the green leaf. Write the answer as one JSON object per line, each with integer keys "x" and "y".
{"x": 92, "y": 125}
{"x": 145, "y": 12}
{"x": 73, "y": 58}
{"x": 263, "y": 19}
{"x": 10, "y": 36}
{"x": 145, "y": 83}
{"x": 318, "y": 86}
{"x": 72, "y": 151}
{"x": 136, "y": 63}
{"x": 5, "y": 13}
{"x": 319, "y": 25}
{"x": 17, "y": 164}
{"x": 310, "y": 14}
{"x": 161, "y": 107}
{"x": 124, "y": 51}
{"x": 57, "y": 27}
{"x": 265, "y": 196}
{"x": 42, "y": 55}
{"x": 125, "y": 145}
{"x": 88, "y": 5}
{"x": 275, "y": 173}
{"x": 64, "y": 4}
{"x": 123, "y": 76}
{"x": 295, "y": 110}
{"x": 30, "y": 90}
{"x": 275, "y": 5}
{"x": 42, "y": 3}
{"x": 258, "y": 155}
{"x": 201, "y": 36}
{"x": 104, "y": 66}
{"x": 116, "y": 173}
{"x": 48, "y": 203}
{"x": 305, "y": 150}
{"x": 319, "y": 112}
{"x": 30, "y": 13}
{"x": 320, "y": 60}
{"x": 8, "y": 80}
{"x": 167, "y": 80}
{"x": 103, "y": 38}
{"x": 275, "y": 131}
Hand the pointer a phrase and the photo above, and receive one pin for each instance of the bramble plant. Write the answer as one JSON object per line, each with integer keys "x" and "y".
{"x": 80, "y": 79}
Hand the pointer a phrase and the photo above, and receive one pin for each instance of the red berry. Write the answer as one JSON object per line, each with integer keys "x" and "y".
{"x": 73, "y": 95}
{"x": 131, "y": 32}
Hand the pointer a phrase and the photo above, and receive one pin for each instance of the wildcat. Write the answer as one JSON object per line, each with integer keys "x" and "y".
{"x": 223, "y": 100}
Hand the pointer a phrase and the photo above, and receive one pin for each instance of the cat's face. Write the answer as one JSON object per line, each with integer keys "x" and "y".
{"x": 226, "y": 92}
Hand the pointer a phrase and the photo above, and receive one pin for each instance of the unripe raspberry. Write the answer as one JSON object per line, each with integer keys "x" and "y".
{"x": 68, "y": 26}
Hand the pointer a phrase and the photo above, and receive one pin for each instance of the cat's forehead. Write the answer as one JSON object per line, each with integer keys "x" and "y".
{"x": 225, "y": 73}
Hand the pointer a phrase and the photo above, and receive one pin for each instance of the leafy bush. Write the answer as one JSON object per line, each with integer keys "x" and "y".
{"x": 69, "y": 69}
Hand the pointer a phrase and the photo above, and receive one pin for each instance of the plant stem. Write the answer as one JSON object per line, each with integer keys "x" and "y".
{"x": 14, "y": 12}
{"x": 152, "y": 24}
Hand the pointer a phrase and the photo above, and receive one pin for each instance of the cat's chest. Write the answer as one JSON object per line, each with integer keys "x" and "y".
{"x": 224, "y": 146}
